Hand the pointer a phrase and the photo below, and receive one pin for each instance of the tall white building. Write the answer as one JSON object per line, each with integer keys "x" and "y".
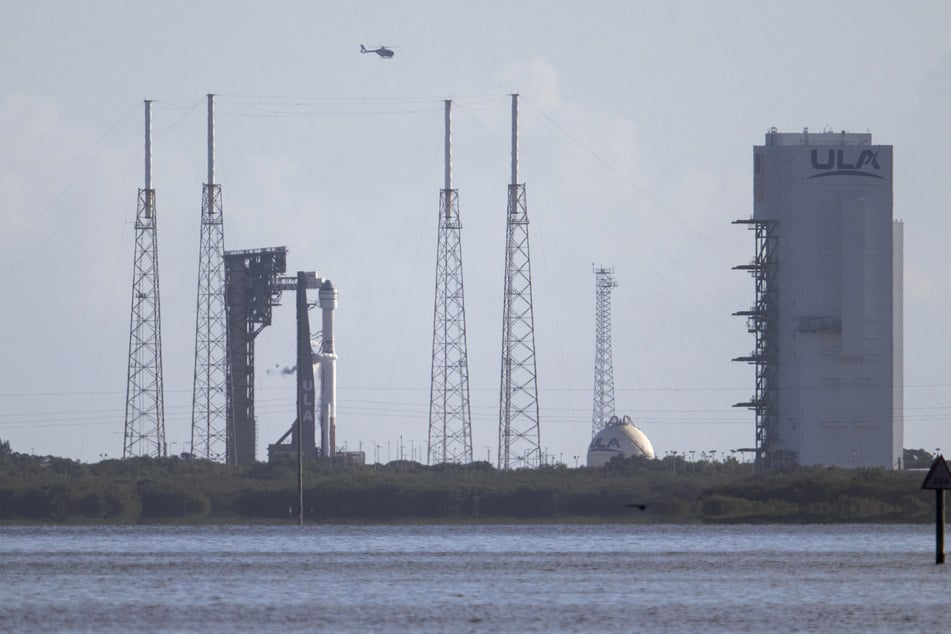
{"x": 827, "y": 316}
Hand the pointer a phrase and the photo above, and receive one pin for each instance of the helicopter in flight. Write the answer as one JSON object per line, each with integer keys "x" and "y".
{"x": 383, "y": 51}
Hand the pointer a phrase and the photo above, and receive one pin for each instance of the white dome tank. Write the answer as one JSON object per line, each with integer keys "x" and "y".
{"x": 620, "y": 437}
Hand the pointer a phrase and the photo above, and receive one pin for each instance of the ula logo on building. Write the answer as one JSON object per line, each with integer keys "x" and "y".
{"x": 833, "y": 163}
{"x": 598, "y": 443}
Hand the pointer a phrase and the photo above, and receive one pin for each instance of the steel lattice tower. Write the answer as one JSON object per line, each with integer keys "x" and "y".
{"x": 145, "y": 402}
{"x": 209, "y": 397}
{"x": 603, "y": 359}
{"x": 450, "y": 428}
{"x": 519, "y": 443}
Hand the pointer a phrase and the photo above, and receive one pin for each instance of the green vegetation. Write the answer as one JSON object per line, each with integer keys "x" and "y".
{"x": 174, "y": 490}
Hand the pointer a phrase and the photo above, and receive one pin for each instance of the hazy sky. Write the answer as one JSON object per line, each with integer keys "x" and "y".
{"x": 636, "y": 133}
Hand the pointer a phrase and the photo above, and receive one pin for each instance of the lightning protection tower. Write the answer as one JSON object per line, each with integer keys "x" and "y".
{"x": 519, "y": 443}
{"x": 450, "y": 429}
{"x": 209, "y": 398}
{"x": 145, "y": 404}
{"x": 603, "y": 361}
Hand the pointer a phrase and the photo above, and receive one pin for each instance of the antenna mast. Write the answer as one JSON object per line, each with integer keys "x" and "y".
{"x": 519, "y": 443}
{"x": 209, "y": 394}
{"x": 144, "y": 433}
{"x": 450, "y": 427}
{"x": 603, "y": 360}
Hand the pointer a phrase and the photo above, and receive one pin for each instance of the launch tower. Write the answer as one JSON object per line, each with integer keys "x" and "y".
{"x": 251, "y": 292}
{"x": 603, "y": 359}
{"x": 450, "y": 428}
{"x": 519, "y": 443}
{"x": 144, "y": 433}
{"x": 315, "y": 355}
{"x": 209, "y": 398}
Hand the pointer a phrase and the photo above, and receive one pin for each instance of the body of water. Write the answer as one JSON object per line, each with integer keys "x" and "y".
{"x": 551, "y": 578}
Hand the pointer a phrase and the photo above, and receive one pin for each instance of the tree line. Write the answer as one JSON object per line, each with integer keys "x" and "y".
{"x": 41, "y": 489}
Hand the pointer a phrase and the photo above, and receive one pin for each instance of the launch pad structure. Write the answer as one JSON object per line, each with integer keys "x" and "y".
{"x": 251, "y": 292}
{"x": 254, "y": 284}
{"x": 317, "y": 353}
{"x": 237, "y": 291}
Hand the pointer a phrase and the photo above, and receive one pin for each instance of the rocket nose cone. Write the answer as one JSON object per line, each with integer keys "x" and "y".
{"x": 327, "y": 286}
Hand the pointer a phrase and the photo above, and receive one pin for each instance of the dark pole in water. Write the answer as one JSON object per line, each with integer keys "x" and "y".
{"x": 939, "y": 526}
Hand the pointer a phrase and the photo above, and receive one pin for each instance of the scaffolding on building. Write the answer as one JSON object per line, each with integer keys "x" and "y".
{"x": 761, "y": 321}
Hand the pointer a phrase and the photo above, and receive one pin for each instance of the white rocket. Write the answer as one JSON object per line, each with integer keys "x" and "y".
{"x": 326, "y": 358}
